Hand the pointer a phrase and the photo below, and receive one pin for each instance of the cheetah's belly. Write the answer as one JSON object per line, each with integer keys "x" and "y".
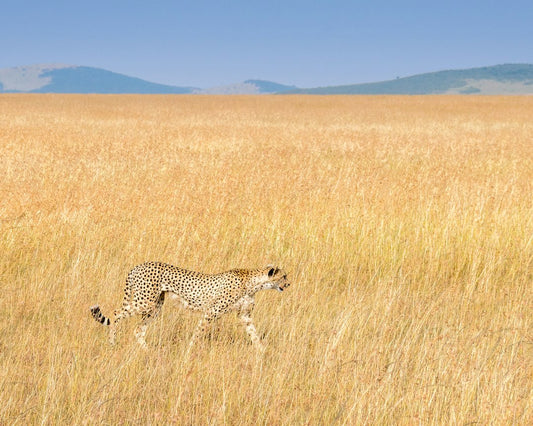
{"x": 183, "y": 302}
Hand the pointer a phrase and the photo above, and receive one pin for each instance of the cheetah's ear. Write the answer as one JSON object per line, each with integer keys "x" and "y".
{"x": 272, "y": 271}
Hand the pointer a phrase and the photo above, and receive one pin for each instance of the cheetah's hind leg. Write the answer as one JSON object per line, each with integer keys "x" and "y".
{"x": 147, "y": 318}
{"x": 120, "y": 314}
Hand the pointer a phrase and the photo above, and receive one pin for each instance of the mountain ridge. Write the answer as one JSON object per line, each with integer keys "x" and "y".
{"x": 78, "y": 79}
{"x": 460, "y": 81}
{"x": 60, "y": 78}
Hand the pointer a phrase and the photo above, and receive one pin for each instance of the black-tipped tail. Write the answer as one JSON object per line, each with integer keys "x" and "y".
{"x": 99, "y": 316}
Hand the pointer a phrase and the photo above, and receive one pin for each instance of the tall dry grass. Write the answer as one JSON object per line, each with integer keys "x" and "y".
{"x": 406, "y": 225}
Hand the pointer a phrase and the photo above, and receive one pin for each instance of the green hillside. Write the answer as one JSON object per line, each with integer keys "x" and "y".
{"x": 508, "y": 78}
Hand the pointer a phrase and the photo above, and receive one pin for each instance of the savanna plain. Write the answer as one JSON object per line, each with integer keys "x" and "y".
{"x": 405, "y": 225}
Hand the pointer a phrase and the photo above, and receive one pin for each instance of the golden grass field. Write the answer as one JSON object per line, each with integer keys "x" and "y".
{"x": 405, "y": 223}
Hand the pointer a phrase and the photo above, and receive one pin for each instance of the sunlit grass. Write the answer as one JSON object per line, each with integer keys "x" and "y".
{"x": 405, "y": 223}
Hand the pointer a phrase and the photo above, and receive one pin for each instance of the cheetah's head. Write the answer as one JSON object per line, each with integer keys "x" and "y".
{"x": 276, "y": 278}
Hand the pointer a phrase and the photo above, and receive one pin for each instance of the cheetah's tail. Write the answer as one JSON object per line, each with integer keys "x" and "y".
{"x": 99, "y": 316}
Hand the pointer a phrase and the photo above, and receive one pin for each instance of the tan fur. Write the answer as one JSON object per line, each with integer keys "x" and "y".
{"x": 213, "y": 295}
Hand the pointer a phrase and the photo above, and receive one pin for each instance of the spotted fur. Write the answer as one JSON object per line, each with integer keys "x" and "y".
{"x": 213, "y": 295}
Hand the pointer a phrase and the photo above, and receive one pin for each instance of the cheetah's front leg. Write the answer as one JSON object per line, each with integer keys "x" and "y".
{"x": 199, "y": 331}
{"x": 245, "y": 317}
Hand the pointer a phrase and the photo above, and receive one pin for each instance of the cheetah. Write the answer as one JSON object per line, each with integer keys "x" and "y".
{"x": 211, "y": 294}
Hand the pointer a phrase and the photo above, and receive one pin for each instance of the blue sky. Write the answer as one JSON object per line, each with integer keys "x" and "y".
{"x": 306, "y": 43}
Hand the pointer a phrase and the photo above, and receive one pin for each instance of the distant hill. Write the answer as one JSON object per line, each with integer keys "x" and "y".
{"x": 75, "y": 79}
{"x": 55, "y": 78}
{"x": 498, "y": 79}
{"x": 248, "y": 87}
{"x": 270, "y": 87}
